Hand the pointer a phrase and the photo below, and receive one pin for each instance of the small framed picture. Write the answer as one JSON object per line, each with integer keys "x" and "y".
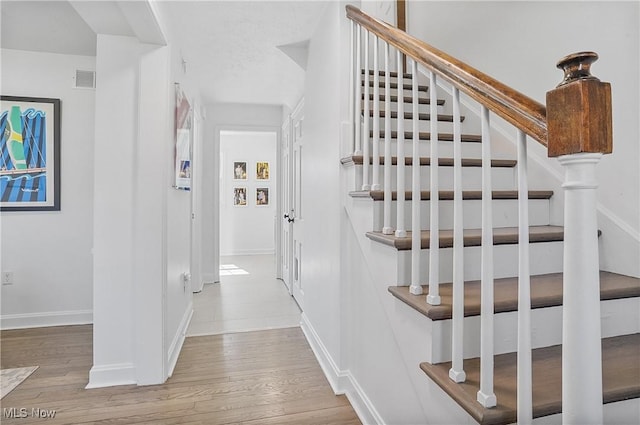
{"x": 240, "y": 170}
{"x": 262, "y": 196}
{"x": 239, "y": 196}
{"x": 262, "y": 171}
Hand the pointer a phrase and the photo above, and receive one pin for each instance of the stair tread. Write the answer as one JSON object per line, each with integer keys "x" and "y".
{"x": 546, "y": 291}
{"x": 425, "y": 135}
{"x": 394, "y": 85}
{"x": 447, "y": 195}
{"x": 472, "y": 237}
{"x": 446, "y": 162}
{"x": 421, "y": 116}
{"x": 407, "y": 99}
{"x": 620, "y": 380}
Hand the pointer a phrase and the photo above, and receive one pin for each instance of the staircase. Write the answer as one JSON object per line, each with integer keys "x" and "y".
{"x": 398, "y": 240}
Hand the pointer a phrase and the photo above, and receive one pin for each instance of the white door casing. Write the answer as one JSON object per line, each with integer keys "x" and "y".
{"x": 286, "y": 239}
{"x": 297, "y": 212}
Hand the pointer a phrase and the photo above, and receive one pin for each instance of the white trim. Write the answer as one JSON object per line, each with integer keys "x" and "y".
{"x": 178, "y": 340}
{"x": 51, "y": 318}
{"x": 341, "y": 381}
{"x": 111, "y": 375}
{"x": 249, "y": 252}
{"x": 624, "y": 226}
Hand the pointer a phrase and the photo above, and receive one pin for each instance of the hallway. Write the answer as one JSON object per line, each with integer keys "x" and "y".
{"x": 267, "y": 377}
{"x": 248, "y": 298}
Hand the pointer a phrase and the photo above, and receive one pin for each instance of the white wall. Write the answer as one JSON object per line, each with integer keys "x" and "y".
{"x": 179, "y": 203}
{"x": 141, "y": 224}
{"x": 225, "y": 117}
{"x": 519, "y": 43}
{"x": 321, "y": 175}
{"x": 50, "y": 252}
{"x": 247, "y": 229}
{"x": 117, "y": 84}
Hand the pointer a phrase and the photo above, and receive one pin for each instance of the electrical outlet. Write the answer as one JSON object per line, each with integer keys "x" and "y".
{"x": 7, "y": 278}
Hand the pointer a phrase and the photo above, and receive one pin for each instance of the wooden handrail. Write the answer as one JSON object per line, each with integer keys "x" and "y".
{"x": 521, "y": 111}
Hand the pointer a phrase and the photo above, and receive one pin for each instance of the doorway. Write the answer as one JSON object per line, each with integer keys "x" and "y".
{"x": 248, "y": 295}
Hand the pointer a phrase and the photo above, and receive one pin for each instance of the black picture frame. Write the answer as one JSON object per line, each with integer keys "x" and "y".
{"x": 29, "y": 177}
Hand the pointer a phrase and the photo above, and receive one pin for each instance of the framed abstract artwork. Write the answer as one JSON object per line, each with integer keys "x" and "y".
{"x": 29, "y": 154}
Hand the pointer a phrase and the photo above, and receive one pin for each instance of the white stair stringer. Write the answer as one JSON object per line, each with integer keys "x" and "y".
{"x": 393, "y": 330}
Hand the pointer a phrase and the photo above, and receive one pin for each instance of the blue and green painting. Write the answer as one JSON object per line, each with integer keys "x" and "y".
{"x": 23, "y": 155}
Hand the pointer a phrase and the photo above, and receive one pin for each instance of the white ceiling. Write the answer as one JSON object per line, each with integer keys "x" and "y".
{"x": 230, "y": 47}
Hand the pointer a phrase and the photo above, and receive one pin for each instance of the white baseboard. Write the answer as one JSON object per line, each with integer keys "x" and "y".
{"x": 178, "y": 340}
{"x": 50, "y": 318}
{"x": 342, "y": 382}
{"x": 112, "y": 375}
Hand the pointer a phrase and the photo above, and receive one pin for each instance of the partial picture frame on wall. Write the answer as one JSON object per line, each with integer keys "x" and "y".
{"x": 29, "y": 154}
{"x": 183, "y": 140}
{"x": 239, "y": 196}
{"x": 262, "y": 196}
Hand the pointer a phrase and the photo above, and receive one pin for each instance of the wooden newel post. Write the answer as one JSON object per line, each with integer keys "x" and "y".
{"x": 579, "y": 109}
{"x": 579, "y": 128}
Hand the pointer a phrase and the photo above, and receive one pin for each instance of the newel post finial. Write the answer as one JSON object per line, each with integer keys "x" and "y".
{"x": 579, "y": 109}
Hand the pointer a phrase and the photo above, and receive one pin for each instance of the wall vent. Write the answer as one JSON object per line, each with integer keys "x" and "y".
{"x": 85, "y": 79}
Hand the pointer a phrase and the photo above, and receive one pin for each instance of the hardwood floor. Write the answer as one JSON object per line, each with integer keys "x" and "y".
{"x": 264, "y": 377}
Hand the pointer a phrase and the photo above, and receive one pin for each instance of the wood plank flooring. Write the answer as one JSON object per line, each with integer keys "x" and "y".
{"x": 264, "y": 377}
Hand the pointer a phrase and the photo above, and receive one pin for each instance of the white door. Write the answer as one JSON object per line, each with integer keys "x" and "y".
{"x": 296, "y": 215}
{"x": 286, "y": 248}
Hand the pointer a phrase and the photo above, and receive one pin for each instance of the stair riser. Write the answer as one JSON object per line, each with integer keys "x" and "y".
{"x": 505, "y": 213}
{"x": 502, "y": 178}
{"x": 546, "y": 257}
{"x": 619, "y": 317}
{"x": 423, "y": 125}
{"x": 445, "y": 149}
{"x": 408, "y": 107}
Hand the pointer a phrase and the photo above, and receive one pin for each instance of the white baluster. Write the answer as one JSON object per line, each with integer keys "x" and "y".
{"x": 375, "y": 185}
{"x": 387, "y": 229}
{"x": 352, "y": 77}
{"x": 581, "y": 333}
{"x": 365, "y": 132}
{"x": 456, "y": 373}
{"x": 434, "y": 228}
{"x": 401, "y": 230}
{"x": 358, "y": 95}
{"x": 486, "y": 397}
{"x": 525, "y": 397}
{"x": 416, "y": 286}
